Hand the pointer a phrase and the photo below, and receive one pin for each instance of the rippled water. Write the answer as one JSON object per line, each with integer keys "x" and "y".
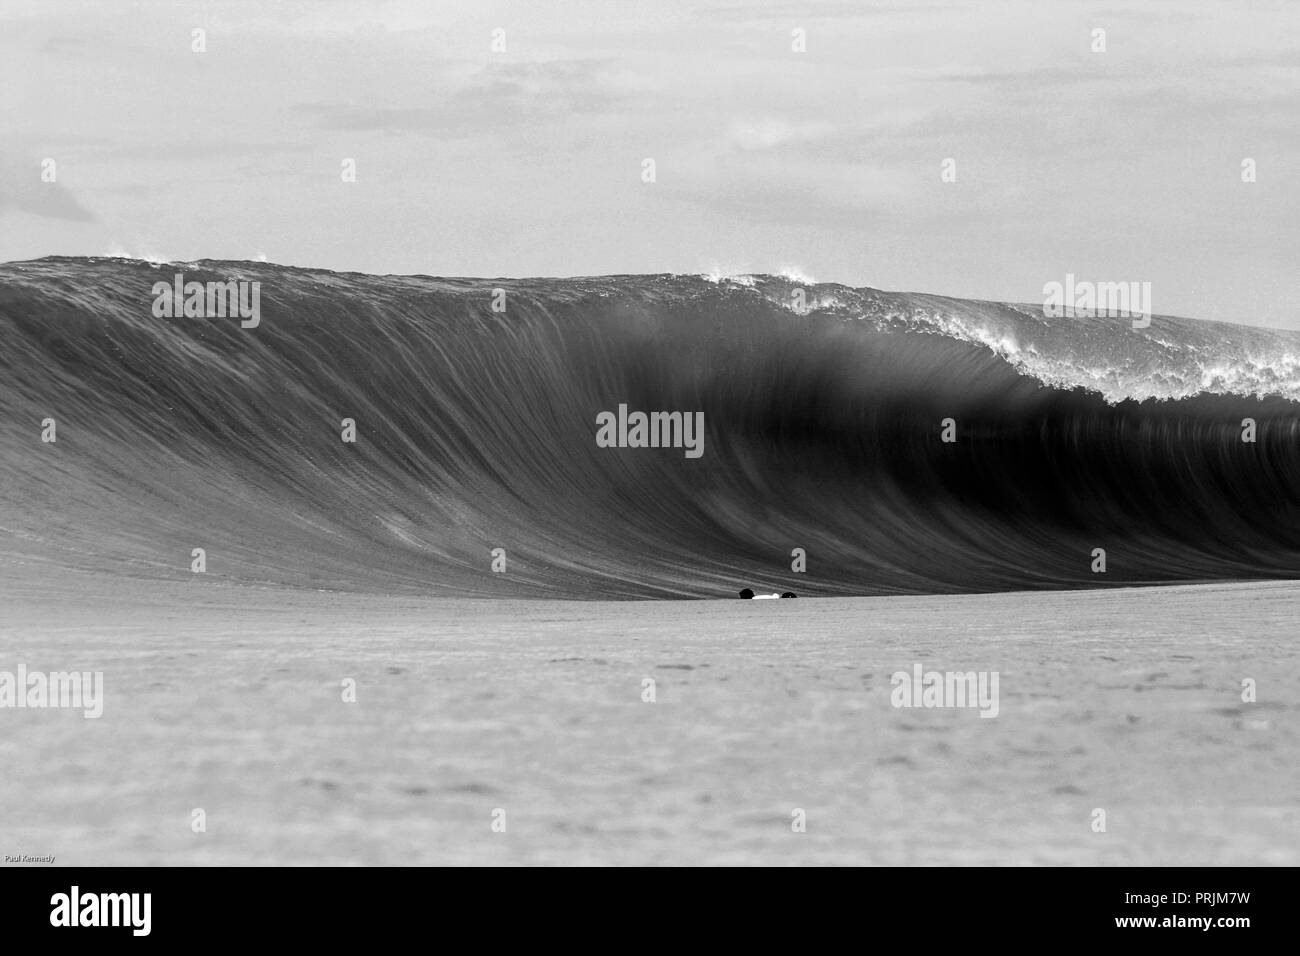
{"x": 229, "y": 699}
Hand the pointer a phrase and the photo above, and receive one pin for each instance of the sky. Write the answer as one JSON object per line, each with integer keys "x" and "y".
{"x": 824, "y": 162}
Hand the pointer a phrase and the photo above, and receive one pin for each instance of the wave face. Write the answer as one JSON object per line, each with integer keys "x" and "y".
{"x": 476, "y": 430}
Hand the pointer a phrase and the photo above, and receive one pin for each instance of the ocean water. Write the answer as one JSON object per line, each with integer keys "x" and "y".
{"x": 477, "y": 430}
{"x": 500, "y": 587}
{"x": 230, "y": 700}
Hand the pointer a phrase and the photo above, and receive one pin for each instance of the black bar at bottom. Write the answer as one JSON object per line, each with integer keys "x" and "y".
{"x": 334, "y": 906}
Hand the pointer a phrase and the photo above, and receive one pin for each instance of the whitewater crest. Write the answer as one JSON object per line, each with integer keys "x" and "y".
{"x": 1172, "y": 358}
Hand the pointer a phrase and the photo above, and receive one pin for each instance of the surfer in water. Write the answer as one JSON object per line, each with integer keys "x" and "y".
{"x": 751, "y": 596}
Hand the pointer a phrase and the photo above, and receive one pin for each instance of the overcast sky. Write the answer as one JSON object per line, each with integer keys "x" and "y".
{"x": 1122, "y": 165}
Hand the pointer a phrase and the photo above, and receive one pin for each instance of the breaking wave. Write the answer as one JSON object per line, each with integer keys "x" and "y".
{"x": 475, "y": 430}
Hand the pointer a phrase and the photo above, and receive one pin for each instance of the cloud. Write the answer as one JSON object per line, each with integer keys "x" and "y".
{"x": 492, "y": 97}
{"x": 772, "y": 132}
{"x": 22, "y": 190}
{"x": 748, "y": 10}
